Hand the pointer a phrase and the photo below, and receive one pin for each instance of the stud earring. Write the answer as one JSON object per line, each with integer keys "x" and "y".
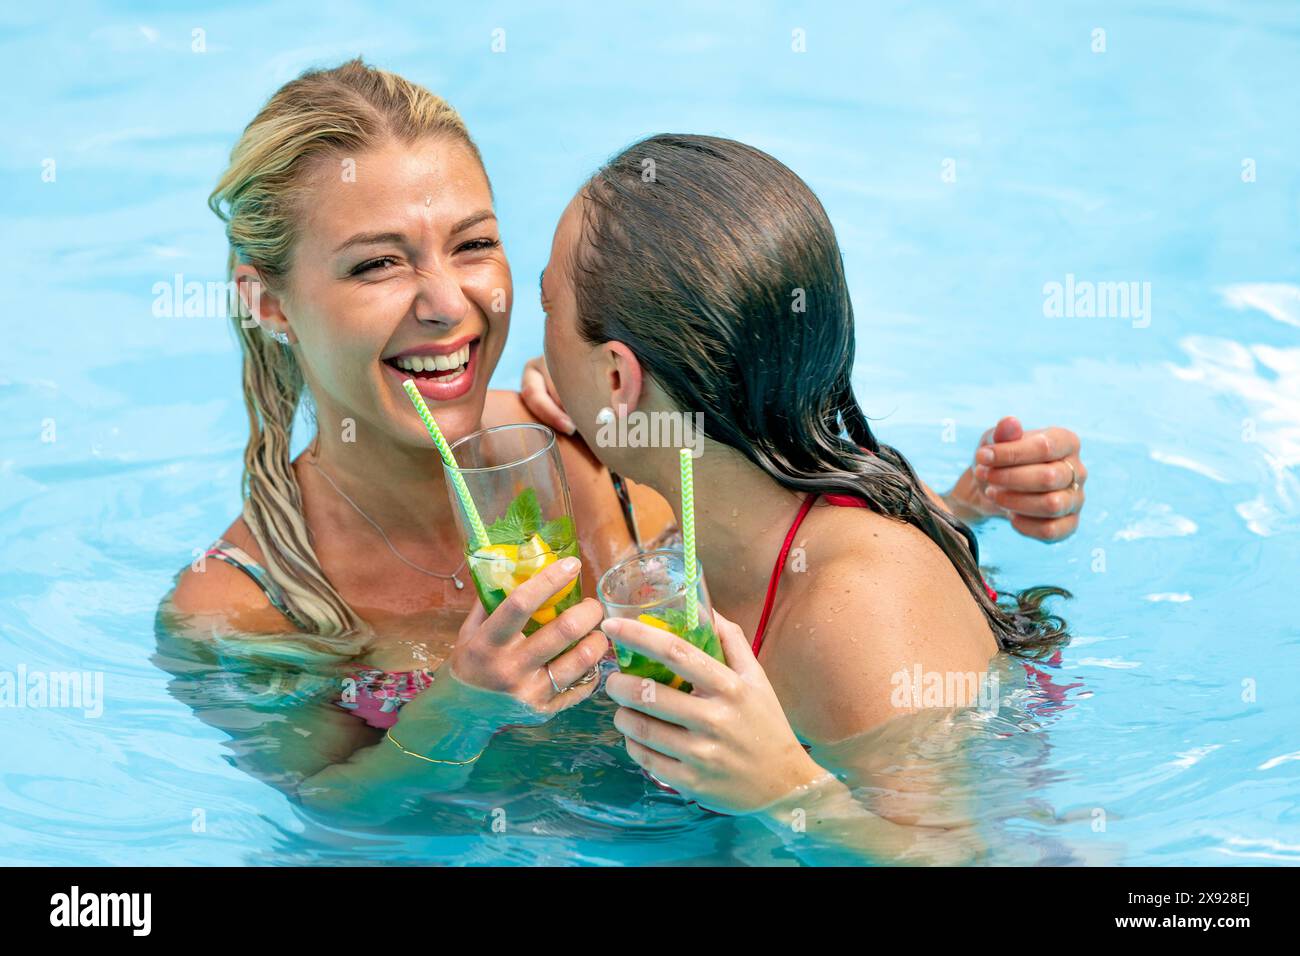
{"x": 605, "y": 416}
{"x": 281, "y": 337}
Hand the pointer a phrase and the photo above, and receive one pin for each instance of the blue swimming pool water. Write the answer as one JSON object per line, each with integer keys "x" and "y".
{"x": 967, "y": 159}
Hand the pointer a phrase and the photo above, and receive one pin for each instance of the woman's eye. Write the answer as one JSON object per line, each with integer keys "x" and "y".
{"x": 478, "y": 245}
{"x": 371, "y": 265}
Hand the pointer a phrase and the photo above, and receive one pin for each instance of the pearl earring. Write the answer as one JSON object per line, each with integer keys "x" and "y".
{"x": 605, "y": 416}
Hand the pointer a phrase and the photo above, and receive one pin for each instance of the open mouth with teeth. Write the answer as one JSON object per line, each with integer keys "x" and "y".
{"x": 441, "y": 367}
{"x": 438, "y": 374}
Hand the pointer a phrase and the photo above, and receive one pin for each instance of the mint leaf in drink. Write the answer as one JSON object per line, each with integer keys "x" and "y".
{"x": 520, "y": 522}
{"x": 558, "y": 533}
{"x": 693, "y": 632}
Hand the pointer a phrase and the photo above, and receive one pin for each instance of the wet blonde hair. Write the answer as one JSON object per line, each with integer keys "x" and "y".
{"x": 322, "y": 115}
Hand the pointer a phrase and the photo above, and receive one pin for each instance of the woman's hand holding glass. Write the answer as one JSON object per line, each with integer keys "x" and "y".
{"x": 727, "y": 745}
{"x": 506, "y": 678}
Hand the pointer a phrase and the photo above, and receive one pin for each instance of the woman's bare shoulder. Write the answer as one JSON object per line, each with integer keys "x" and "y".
{"x": 878, "y": 599}
{"x": 211, "y": 594}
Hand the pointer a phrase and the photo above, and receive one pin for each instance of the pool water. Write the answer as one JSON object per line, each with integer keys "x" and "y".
{"x": 968, "y": 161}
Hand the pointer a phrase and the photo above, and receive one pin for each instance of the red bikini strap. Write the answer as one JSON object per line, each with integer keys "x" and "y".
{"x": 776, "y": 571}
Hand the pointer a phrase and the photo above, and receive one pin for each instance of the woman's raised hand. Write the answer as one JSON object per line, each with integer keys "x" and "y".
{"x": 539, "y": 397}
{"x": 1034, "y": 478}
{"x": 527, "y": 680}
{"x": 727, "y": 745}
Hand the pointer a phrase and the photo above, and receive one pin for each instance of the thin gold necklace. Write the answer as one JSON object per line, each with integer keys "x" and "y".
{"x": 460, "y": 586}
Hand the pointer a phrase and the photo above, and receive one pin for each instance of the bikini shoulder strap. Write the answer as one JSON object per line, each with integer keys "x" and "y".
{"x": 772, "y": 584}
{"x": 237, "y": 557}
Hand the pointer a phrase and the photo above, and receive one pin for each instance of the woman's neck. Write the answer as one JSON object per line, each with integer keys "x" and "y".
{"x": 741, "y": 519}
{"x": 400, "y": 488}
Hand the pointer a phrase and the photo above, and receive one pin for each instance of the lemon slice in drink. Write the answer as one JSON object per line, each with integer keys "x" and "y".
{"x": 534, "y": 555}
{"x": 496, "y": 566}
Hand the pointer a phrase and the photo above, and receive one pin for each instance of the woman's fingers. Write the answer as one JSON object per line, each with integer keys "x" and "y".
{"x": 1036, "y": 478}
{"x": 661, "y": 767}
{"x": 549, "y": 641}
{"x": 658, "y": 700}
{"x": 1052, "y": 476}
{"x": 658, "y": 735}
{"x": 1007, "y": 429}
{"x": 570, "y": 644}
{"x": 473, "y": 621}
{"x": 1039, "y": 445}
{"x": 570, "y": 667}
{"x": 1045, "y": 529}
{"x": 513, "y": 613}
{"x": 1049, "y": 504}
{"x": 735, "y": 646}
{"x": 539, "y": 396}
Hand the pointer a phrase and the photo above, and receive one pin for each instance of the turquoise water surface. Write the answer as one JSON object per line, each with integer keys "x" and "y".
{"x": 967, "y": 158}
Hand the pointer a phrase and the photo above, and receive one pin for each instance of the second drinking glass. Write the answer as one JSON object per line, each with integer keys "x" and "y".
{"x": 653, "y": 588}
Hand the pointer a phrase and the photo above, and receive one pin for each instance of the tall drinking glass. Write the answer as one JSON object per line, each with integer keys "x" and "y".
{"x": 516, "y": 480}
{"x": 652, "y": 588}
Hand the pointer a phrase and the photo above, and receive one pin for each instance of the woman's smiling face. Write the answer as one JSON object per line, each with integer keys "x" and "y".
{"x": 398, "y": 272}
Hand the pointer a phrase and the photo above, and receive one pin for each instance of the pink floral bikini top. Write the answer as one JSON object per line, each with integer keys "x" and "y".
{"x": 376, "y": 695}
{"x": 372, "y": 694}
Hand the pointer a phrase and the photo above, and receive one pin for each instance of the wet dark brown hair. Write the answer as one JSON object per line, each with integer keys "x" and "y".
{"x": 718, "y": 267}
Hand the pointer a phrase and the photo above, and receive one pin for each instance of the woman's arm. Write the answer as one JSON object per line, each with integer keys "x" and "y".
{"x": 450, "y": 723}
{"x": 331, "y": 762}
{"x": 825, "y": 824}
{"x": 729, "y": 746}
{"x": 327, "y": 760}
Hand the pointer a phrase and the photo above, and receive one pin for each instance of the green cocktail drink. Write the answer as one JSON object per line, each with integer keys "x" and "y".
{"x": 652, "y": 588}
{"x": 514, "y": 475}
{"x": 521, "y": 545}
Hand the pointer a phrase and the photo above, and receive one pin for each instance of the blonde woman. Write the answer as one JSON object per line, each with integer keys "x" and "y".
{"x": 364, "y": 245}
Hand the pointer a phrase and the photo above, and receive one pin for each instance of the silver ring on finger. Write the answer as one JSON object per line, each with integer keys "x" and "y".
{"x": 1074, "y": 475}
{"x": 556, "y": 687}
{"x": 586, "y": 678}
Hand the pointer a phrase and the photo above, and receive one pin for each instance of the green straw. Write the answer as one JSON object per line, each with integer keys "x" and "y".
{"x": 688, "y": 537}
{"x": 457, "y": 479}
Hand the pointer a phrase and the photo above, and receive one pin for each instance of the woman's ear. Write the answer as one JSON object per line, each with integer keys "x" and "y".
{"x": 262, "y": 306}
{"x": 623, "y": 375}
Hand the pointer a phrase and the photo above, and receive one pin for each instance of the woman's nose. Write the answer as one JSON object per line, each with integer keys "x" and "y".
{"x": 440, "y": 298}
